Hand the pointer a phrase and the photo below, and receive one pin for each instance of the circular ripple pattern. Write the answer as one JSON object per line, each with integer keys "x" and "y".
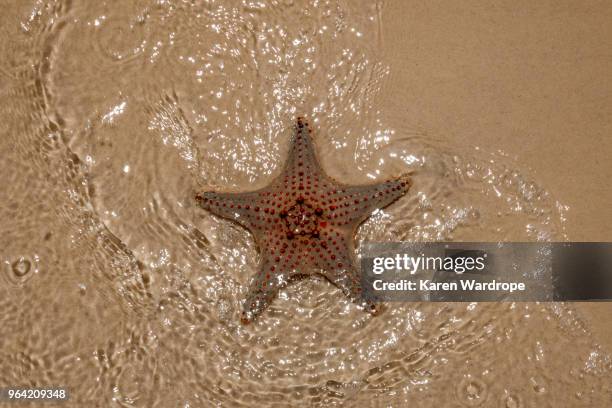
{"x": 510, "y": 401}
{"x": 119, "y": 114}
{"x": 21, "y": 267}
{"x": 471, "y": 392}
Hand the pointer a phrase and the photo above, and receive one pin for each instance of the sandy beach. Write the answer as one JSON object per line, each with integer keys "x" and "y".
{"x": 119, "y": 287}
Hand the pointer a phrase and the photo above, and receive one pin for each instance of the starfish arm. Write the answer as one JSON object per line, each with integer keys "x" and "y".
{"x": 302, "y": 157}
{"x": 238, "y": 207}
{"x": 349, "y": 282}
{"x": 345, "y": 276}
{"x": 352, "y": 204}
{"x": 263, "y": 289}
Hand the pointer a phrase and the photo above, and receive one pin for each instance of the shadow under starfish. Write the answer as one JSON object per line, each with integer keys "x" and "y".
{"x": 304, "y": 223}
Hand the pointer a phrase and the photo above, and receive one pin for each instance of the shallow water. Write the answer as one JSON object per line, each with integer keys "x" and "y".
{"x": 116, "y": 286}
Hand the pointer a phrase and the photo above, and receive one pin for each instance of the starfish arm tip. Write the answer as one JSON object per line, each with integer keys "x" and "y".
{"x": 203, "y": 199}
{"x": 407, "y": 179}
{"x": 375, "y": 309}
{"x": 232, "y": 206}
{"x": 262, "y": 290}
{"x": 245, "y": 319}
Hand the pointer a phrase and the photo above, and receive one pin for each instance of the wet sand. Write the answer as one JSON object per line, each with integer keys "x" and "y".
{"x": 117, "y": 286}
{"x": 529, "y": 78}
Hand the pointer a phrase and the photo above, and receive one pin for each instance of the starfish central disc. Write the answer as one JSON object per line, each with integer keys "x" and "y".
{"x": 304, "y": 223}
{"x": 302, "y": 218}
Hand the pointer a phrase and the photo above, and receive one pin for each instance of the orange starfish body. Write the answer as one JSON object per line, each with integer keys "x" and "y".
{"x": 304, "y": 223}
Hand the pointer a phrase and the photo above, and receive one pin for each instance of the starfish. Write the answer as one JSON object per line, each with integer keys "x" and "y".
{"x": 304, "y": 223}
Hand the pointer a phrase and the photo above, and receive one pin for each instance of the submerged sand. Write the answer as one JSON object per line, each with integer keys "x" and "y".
{"x": 116, "y": 286}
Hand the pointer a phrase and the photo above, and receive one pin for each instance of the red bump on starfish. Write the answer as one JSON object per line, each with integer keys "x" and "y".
{"x": 304, "y": 221}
